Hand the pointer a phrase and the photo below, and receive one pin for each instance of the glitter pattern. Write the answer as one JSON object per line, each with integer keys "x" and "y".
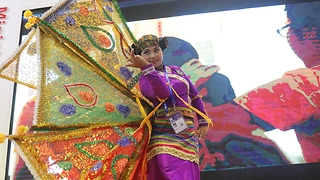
{"x": 78, "y": 94}
{"x": 67, "y": 153}
{"x": 84, "y": 78}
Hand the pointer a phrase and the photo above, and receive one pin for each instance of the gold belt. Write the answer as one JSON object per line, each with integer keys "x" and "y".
{"x": 184, "y": 111}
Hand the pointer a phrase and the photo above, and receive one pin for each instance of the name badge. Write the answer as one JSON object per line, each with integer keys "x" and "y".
{"x": 177, "y": 122}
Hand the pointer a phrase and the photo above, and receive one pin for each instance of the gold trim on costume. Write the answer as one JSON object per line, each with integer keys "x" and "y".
{"x": 184, "y": 111}
{"x": 174, "y": 152}
{"x": 175, "y": 76}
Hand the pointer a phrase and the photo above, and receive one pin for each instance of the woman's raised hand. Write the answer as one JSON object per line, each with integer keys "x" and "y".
{"x": 136, "y": 61}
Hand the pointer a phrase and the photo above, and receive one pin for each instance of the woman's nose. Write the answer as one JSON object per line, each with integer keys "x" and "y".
{"x": 152, "y": 56}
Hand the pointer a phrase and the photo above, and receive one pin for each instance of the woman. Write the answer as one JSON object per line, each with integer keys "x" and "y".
{"x": 173, "y": 148}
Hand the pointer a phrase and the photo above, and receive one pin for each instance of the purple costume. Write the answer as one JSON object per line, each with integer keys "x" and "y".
{"x": 172, "y": 156}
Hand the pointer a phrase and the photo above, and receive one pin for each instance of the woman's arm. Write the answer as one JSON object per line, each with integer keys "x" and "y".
{"x": 196, "y": 100}
{"x": 153, "y": 85}
{"x": 197, "y": 103}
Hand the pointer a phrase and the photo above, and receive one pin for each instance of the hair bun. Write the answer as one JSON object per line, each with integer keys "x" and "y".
{"x": 134, "y": 47}
{"x": 163, "y": 43}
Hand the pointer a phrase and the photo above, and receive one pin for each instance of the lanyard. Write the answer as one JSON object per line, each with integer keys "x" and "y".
{"x": 171, "y": 94}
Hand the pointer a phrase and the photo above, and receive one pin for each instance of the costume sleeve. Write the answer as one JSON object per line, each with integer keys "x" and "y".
{"x": 152, "y": 85}
{"x": 196, "y": 101}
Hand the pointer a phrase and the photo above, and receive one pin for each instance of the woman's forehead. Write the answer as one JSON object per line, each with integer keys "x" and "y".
{"x": 150, "y": 48}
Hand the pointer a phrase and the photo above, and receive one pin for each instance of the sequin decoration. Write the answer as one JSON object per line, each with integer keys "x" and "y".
{"x": 104, "y": 40}
{"x": 139, "y": 136}
{"x": 134, "y": 81}
{"x": 97, "y": 166}
{"x": 51, "y": 19}
{"x": 86, "y": 96}
{"x": 70, "y": 21}
{"x": 89, "y": 96}
{"x": 121, "y": 134}
{"x": 122, "y": 163}
{"x": 84, "y": 11}
{"x": 124, "y": 142}
{"x": 100, "y": 38}
{"x": 123, "y": 109}
{"x": 65, "y": 165}
{"x": 126, "y": 73}
{"x": 68, "y": 109}
{"x": 92, "y": 149}
{"x": 128, "y": 131}
{"x": 82, "y": 153}
{"x": 180, "y": 72}
{"x": 108, "y": 8}
{"x": 64, "y": 68}
{"x": 109, "y": 107}
{"x": 118, "y": 164}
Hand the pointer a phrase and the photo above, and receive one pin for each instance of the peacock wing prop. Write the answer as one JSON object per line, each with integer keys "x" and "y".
{"x": 74, "y": 91}
{"x": 83, "y": 99}
{"x": 95, "y": 26}
{"x": 81, "y": 48}
{"x": 98, "y": 28}
{"x": 118, "y": 150}
{"x": 95, "y": 152}
{"x": 23, "y": 66}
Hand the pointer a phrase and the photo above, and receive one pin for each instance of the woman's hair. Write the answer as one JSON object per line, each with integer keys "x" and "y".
{"x": 147, "y": 41}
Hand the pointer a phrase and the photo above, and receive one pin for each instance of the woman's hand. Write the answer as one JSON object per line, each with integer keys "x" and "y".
{"x": 202, "y": 131}
{"x": 136, "y": 61}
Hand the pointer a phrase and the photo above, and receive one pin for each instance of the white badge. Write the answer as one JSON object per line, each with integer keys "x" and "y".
{"x": 177, "y": 122}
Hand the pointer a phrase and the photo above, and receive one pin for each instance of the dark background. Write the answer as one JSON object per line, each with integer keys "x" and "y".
{"x": 134, "y": 10}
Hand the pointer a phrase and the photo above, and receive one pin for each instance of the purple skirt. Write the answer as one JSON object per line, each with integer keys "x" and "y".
{"x": 167, "y": 167}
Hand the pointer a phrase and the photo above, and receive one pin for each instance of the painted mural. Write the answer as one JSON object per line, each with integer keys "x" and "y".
{"x": 244, "y": 132}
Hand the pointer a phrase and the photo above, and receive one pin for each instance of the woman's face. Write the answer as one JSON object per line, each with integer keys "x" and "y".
{"x": 154, "y": 55}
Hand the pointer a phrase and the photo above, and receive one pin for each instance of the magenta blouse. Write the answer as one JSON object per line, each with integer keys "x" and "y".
{"x": 153, "y": 84}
